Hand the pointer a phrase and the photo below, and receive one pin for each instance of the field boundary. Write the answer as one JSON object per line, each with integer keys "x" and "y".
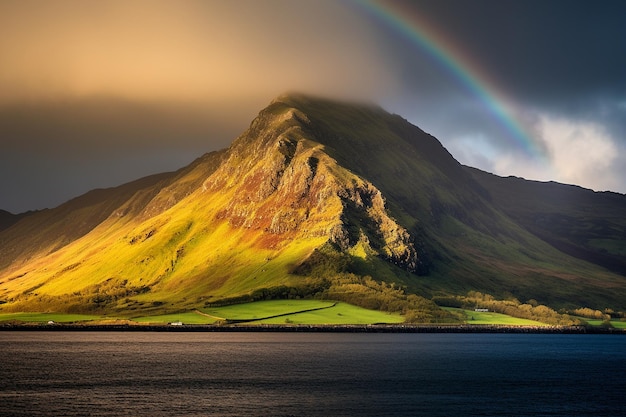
{"x": 236, "y": 321}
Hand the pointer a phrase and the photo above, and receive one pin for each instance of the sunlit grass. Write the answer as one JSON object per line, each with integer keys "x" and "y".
{"x": 618, "y": 324}
{"x": 481, "y": 317}
{"x": 341, "y": 313}
{"x": 189, "y": 317}
{"x": 182, "y": 256}
{"x": 263, "y": 309}
{"x": 279, "y": 312}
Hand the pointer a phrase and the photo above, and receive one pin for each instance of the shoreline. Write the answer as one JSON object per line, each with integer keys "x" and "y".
{"x": 370, "y": 328}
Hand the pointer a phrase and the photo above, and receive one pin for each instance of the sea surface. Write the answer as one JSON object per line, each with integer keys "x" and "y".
{"x": 310, "y": 374}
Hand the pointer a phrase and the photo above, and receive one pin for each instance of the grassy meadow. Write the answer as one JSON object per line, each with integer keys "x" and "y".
{"x": 46, "y": 317}
{"x": 488, "y": 317}
{"x": 313, "y": 312}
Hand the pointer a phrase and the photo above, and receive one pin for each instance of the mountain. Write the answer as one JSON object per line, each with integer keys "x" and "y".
{"x": 6, "y": 219}
{"x": 316, "y": 198}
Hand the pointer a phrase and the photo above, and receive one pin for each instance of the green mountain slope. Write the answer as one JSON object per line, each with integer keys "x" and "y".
{"x": 315, "y": 198}
{"x": 580, "y": 222}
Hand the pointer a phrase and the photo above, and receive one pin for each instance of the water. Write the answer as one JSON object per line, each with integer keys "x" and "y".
{"x": 310, "y": 374}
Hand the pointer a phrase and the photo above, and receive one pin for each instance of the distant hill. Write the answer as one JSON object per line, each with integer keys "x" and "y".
{"x": 318, "y": 198}
{"x": 583, "y": 223}
{"x": 6, "y": 219}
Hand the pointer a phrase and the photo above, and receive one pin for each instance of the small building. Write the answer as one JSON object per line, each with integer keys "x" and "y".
{"x": 481, "y": 310}
{"x": 176, "y": 323}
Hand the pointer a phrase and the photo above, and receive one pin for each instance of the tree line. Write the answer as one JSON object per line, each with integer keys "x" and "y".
{"x": 530, "y": 310}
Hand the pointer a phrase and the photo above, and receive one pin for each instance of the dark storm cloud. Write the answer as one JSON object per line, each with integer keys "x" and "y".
{"x": 33, "y": 180}
{"x": 546, "y": 50}
{"x": 560, "y": 63}
{"x": 111, "y": 124}
{"x": 53, "y": 151}
{"x": 564, "y": 56}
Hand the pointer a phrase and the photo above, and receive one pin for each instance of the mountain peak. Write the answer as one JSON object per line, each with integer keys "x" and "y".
{"x": 315, "y": 196}
{"x": 300, "y": 99}
{"x": 288, "y": 185}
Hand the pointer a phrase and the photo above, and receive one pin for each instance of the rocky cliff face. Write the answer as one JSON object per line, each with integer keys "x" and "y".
{"x": 285, "y": 184}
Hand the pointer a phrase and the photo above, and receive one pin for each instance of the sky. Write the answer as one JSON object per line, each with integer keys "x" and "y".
{"x": 94, "y": 94}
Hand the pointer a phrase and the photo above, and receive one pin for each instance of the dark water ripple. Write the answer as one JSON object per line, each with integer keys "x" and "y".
{"x": 283, "y": 374}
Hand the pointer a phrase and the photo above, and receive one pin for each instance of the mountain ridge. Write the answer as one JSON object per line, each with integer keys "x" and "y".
{"x": 315, "y": 197}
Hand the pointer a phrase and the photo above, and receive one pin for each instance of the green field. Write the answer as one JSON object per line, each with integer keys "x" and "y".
{"x": 280, "y": 312}
{"x": 261, "y": 312}
{"x": 480, "y": 317}
{"x": 263, "y": 309}
{"x": 188, "y": 317}
{"x": 314, "y": 312}
{"x": 615, "y": 323}
{"x": 340, "y": 313}
{"x": 619, "y": 324}
{"x": 46, "y": 317}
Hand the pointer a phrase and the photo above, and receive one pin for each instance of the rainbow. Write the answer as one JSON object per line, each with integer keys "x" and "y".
{"x": 422, "y": 34}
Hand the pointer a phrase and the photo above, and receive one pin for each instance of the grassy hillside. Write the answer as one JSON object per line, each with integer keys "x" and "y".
{"x": 48, "y": 230}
